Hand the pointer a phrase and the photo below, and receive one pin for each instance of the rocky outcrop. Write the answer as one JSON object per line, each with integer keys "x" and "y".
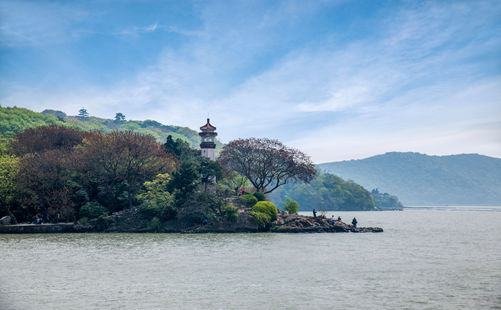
{"x": 6, "y": 220}
{"x": 294, "y": 223}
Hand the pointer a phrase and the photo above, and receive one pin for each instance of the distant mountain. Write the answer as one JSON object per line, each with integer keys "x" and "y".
{"x": 14, "y": 120}
{"x": 419, "y": 179}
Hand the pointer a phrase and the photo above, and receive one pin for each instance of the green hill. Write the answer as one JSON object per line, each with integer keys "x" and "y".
{"x": 14, "y": 120}
{"x": 326, "y": 192}
{"x": 419, "y": 179}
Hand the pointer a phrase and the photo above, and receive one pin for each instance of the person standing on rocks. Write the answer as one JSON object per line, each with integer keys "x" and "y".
{"x": 354, "y": 222}
{"x": 314, "y": 213}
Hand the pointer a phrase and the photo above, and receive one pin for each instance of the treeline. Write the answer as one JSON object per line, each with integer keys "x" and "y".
{"x": 61, "y": 174}
{"x": 385, "y": 201}
{"x": 326, "y": 192}
{"x": 55, "y": 170}
{"x": 14, "y": 120}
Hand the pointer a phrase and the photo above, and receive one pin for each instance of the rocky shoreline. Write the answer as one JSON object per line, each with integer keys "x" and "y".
{"x": 130, "y": 221}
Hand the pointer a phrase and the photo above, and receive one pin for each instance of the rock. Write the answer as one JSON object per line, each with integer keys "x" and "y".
{"x": 6, "y": 220}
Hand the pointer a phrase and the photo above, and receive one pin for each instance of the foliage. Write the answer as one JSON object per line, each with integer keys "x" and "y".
{"x": 102, "y": 223}
{"x": 209, "y": 171}
{"x": 200, "y": 206}
{"x": 45, "y": 183}
{"x": 9, "y": 169}
{"x": 291, "y": 206}
{"x": 267, "y": 163}
{"x": 83, "y": 220}
{"x": 92, "y": 210}
{"x": 83, "y": 115}
{"x": 233, "y": 179}
{"x": 260, "y": 196}
{"x": 45, "y": 138}
{"x": 267, "y": 208}
{"x": 155, "y": 224}
{"x": 263, "y": 220}
{"x": 230, "y": 212}
{"x": 419, "y": 179}
{"x": 14, "y": 120}
{"x": 385, "y": 201}
{"x": 119, "y": 118}
{"x": 248, "y": 200}
{"x": 326, "y": 192}
{"x": 150, "y": 211}
{"x": 120, "y": 162}
{"x": 184, "y": 182}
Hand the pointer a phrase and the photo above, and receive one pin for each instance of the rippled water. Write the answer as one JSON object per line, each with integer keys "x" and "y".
{"x": 425, "y": 259}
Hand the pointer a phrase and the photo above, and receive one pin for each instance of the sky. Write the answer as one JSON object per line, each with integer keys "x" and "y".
{"x": 337, "y": 79}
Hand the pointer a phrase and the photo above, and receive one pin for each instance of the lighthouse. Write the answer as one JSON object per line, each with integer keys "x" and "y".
{"x": 208, "y": 146}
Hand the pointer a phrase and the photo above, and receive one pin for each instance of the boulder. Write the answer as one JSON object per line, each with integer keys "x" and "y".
{"x": 6, "y": 220}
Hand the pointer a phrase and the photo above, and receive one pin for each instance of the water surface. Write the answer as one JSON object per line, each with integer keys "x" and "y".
{"x": 425, "y": 259}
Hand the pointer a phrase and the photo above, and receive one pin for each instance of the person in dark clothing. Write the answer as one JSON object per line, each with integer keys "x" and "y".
{"x": 339, "y": 218}
{"x": 354, "y": 222}
{"x": 314, "y": 213}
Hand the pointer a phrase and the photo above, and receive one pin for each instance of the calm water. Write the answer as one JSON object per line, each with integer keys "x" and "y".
{"x": 425, "y": 259}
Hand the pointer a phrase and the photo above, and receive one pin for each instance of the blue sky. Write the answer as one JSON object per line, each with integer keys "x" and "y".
{"x": 337, "y": 79}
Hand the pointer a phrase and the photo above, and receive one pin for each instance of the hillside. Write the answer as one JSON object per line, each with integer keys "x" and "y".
{"x": 326, "y": 192}
{"x": 419, "y": 179}
{"x": 14, "y": 120}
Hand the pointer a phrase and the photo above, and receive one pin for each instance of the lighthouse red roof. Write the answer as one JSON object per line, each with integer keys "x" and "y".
{"x": 208, "y": 126}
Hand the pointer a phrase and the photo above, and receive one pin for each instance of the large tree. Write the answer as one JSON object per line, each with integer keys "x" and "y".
{"x": 120, "y": 162}
{"x": 267, "y": 163}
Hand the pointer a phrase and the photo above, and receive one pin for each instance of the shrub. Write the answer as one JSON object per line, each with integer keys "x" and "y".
{"x": 230, "y": 212}
{"x": 92, "y": 210}
{"x": 248, "y": 200}
{"x": 266, "y": 207}
{"x": 262, "y": 220}
{"x": 83, "y": 220}
{"x": 155, "y": 224}
{"x": 291, "y": 206}
{"x": 150, "y": 210}
{"x": 260, "y": 196}
{"x": 168, "y": 213}
{"x": 103, "y": 222}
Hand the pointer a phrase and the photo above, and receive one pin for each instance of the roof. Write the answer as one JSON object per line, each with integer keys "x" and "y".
{"x": 208, "y": 126}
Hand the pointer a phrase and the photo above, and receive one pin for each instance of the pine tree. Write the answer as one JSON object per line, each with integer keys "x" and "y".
{"x": 83, "y": 115}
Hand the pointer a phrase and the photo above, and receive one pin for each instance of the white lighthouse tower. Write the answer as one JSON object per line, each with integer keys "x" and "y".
{"x": 208, "y": 146}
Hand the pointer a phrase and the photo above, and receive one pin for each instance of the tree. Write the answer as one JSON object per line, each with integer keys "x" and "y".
{"x": 45, "y": 183}
{"x": 121, "y": 161}
{"x": 210, "y": 171}
{"x": 267, "y": 163}
{"x": 44, "y": 138}
{"x": 119, "y": 118}
{"x": 83, "y": 115}
{"x": 8, "y": 172}
{"x": 291, "y": 206}
{"x": 184, "y": 182}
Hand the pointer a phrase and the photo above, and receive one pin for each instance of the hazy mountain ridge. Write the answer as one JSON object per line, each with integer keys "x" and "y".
{"x": 419, "y": 179}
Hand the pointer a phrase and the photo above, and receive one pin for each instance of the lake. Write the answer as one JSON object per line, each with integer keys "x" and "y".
{"x": 427, "y": 258}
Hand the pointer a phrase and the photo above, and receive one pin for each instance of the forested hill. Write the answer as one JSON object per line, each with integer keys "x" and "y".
{"x": 14, "y": 120}
{"x": 419, "y": 179}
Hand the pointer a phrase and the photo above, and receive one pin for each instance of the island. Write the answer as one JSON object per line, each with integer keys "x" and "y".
{"x": 58, "y": 178}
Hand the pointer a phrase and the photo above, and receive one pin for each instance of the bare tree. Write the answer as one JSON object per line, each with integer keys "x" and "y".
{"x": 267, "y": 163}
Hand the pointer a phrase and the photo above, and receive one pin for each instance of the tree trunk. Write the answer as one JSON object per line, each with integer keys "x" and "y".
{"x": 129, "y": 194}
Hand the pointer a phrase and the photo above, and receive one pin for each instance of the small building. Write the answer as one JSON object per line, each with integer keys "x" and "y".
{"x": 208, "y": 145}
